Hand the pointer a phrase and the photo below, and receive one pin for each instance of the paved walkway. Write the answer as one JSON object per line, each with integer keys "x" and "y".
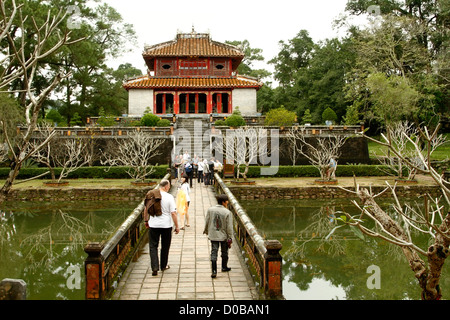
{"x": 189, "y": 276}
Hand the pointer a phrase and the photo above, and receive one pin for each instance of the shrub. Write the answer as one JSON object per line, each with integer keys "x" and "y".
{"x": 163, "y": 123}
{"x": 220, "y": 123}
{"x": 54, "y": 116}
{"x": 235, "y": 121}
{"x": 280, "y": 117}
{"x": 149, "y": 120}
{"x": 307, "y": 117}
{"x": 329, "y": 114}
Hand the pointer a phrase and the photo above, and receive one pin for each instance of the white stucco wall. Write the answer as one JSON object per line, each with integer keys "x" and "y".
{"x": 245, "y": 99}
{"x": 139, "y": 100}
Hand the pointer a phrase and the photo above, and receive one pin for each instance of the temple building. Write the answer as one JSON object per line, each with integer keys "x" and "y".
{"x": 192, "y": 75}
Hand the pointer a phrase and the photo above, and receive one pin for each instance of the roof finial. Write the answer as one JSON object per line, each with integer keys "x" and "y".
{"x": 193, "y": 30}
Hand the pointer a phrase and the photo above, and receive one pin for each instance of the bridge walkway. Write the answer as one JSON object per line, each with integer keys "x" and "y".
{"x": 189, "y": 276}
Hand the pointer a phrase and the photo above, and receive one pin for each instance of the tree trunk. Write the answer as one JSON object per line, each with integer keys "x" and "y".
{"x": 428, "y": 277}
{"x": 15, "y": 168}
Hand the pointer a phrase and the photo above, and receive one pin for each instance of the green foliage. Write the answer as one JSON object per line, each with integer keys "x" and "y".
{"x": 104, "y": 120}
{"x": 307, "y": 118}
{"x": 352, "y": 115}
{"x": 329, "y": 114}
{"x": 149, "y": 120}
{"x": 163, "y": 123}
{"x": 236, "y": 119}
{"x": 220, "y": 123}
{"x": 311, "y": 171}
{"x": 54, "y": 117}
{"x": 86, "y": 172}
{"x": 76, "y": 120}
{"x": 280, "y": 117}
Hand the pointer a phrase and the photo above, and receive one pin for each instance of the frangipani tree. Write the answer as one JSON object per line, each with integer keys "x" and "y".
{"x": 401, "y": 226}
{"x": 68, "y": 154}
{"x": 398, "y": 136}
{"x": 243, "y": 146}
{"x": 317, "y": 149}
{"x": 134, "y": 151}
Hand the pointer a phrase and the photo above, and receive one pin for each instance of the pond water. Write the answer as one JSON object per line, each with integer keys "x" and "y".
{"x": 43, "y": 243}
{"x": 345, "y": 267}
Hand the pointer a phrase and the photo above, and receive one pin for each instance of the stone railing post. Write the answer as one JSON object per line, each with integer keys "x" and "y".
{"x": 94, "y": 267}
{"x": 13, "y": 289}
{"x": 272, "y": 269}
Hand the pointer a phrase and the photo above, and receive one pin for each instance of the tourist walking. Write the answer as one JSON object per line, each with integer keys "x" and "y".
{"x": 206, "y": 172}
{"x": 195, "y": 161}
{"x": 201, "y": 165}
{"x": 219, "y": 228}
{"x": 211, "y": 170}
{"x": 189, "y": 171}
{"x": 182, "y": 201}
{"x": 160, "y": 224}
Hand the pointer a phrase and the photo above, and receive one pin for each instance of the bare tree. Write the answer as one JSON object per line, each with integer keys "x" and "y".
{"x": 243, "y": 146}
{"x": 22, "y": 63}
{"x": 399, "y": 227}
{"x": 135, "y": 151}
{"x": 398, "y": 135}
{"x": 318, "y": 150}
{"x": 67, "y": 154}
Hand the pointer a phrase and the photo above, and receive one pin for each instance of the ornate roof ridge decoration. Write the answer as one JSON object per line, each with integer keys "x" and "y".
{"x": 192, "y": 44}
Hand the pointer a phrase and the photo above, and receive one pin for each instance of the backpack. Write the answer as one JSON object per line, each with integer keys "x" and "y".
{"x": 152, "y": 204}
{"x": 188, "y": 168}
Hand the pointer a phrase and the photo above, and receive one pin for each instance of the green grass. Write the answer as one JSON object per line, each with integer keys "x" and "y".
{"x": 441, "y": 153}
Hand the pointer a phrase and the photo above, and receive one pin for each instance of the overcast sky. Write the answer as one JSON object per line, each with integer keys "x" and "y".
{"x": 263, "y": 23}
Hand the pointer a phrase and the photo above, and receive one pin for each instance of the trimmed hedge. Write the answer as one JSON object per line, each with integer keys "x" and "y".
{"x": 86, "y": 173}
{"x": 310, "y": 171}
{"x": 161, "y": 171}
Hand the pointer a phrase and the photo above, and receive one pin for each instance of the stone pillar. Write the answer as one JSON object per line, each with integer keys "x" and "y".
{"x": 272, "y": 269}
{"x": 13, "y": 289}
{"x": 94, "y": 268}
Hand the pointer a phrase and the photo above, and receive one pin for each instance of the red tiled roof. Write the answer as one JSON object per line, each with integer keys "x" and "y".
{"x": 147, "y": 82}
{"x": 193, "y": 44}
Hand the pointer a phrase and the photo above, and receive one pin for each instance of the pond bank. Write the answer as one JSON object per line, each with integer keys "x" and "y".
{"x": 264, "y": 188}
{"x": 306, "y": 188}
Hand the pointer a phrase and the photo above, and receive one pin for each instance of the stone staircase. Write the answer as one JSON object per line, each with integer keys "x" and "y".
{"x": 192, "y": 134}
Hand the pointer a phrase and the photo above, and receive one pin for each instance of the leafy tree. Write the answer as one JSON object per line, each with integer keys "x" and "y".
{"x": 352, "y": 116}
{"x": 54, "y": 117}
{"x": 280, "y": 117}
{"x": 293, "y": 55}
{"x": 312, "y": 75}
{"x": 329, "y": 114}
{"x": 76, "y": 120}
{"x": 251, "y": 55}
{"x": 400, "y": 45}
{"x": 94, "y": 85}
{"x": 307, "y": 117}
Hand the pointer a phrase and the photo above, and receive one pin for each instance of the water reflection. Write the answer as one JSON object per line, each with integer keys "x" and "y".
{"x": 42, "y": 243}
{"x": 336, "y": 268}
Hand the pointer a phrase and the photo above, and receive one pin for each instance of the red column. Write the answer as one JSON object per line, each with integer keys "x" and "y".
{"x": 209, "y": 103}
{"x": 219, "y": 103}
{"x": 196, "y": 103}
{"x": 176, "y": 103}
